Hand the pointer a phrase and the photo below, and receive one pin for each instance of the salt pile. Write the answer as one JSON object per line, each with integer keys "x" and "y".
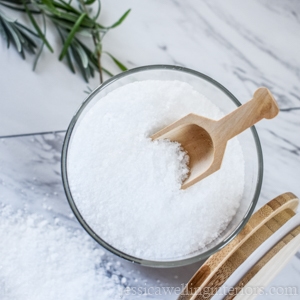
{"x": 43, "y": 260}
{"x": 127, "y": 187}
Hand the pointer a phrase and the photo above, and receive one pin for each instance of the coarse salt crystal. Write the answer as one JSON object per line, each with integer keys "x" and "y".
{"x": 40, "y": 260}
{"x": 127, "y": 187}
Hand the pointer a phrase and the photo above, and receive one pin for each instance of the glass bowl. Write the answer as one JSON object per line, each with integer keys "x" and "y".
{"x": 249, "y": 141}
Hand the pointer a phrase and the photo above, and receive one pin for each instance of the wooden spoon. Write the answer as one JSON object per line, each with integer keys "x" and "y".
{"x": 205, "y": 139}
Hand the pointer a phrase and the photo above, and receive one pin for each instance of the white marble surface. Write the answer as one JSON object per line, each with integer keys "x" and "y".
{"x": 30, "y": 181}
{"x": 242, "y": 45}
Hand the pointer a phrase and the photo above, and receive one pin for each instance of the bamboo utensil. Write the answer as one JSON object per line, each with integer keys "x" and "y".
{"x": 219, "y": 267}
{"x": 267, "y": 267}
{"x": 205, "y": 139}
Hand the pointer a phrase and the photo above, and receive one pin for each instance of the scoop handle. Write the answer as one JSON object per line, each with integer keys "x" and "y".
{"x": 262, "y": 105}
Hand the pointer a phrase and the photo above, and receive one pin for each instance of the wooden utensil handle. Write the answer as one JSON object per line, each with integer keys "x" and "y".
{"x": 262, "y": 105}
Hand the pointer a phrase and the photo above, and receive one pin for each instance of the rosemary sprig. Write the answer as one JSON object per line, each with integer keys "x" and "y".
{"x": 15, "y": 33}
{"x": 75, "y": 23}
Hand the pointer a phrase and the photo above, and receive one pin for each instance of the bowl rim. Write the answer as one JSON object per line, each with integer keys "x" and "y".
{"x": 145, "y": 262}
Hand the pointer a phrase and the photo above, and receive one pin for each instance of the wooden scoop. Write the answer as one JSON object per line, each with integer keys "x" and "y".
{"x": 205, "y": 139}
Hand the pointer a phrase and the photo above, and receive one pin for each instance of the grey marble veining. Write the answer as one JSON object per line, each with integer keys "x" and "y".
{"x": 240, "y": 44}
{"x": 30, "y": 181}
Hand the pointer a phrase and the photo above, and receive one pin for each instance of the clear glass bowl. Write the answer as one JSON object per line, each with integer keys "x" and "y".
{"x": 249, "y": 141}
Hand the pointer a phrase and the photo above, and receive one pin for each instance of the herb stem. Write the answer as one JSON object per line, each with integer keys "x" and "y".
{"x": 97, "y": 43}
{"x": 73, "y": 22}
{"x": 98, "y": 53}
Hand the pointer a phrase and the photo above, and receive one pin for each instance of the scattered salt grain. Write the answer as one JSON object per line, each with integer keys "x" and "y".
{"x": 127, "y": 187}
{"x": 40, "y": 260}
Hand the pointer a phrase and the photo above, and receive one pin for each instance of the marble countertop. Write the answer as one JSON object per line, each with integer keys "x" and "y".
{"x": 243, "y": 45}
{"x": 30, "y": 181}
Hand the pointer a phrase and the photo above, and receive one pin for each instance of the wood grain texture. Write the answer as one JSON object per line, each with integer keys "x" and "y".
{"x": 205, "y": 139}
{"x": 216, "y": 270}
{"x": 256, "y": 276}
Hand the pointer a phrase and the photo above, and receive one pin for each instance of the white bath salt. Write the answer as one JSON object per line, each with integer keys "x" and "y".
{"x": 127, "y": 187}
{"x": 44, "y": 261}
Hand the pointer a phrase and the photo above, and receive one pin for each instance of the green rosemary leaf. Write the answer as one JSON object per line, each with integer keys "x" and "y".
{"x": 27, "y": 29}
{"x": 6, "y": 18}
{"x": 84, "y": 33}
{"x": 117, "y": 62}
{"x": 69, "y": 18}
{"x": 88, "y": 73}
{"x": 86, "y": 49}
{"x": 107, "y": 72}
{"x": 85, "y": 55}
{"x": 17, "y": 2}
{"x": 5, "y": 32}
{"x": 26, "y": 42}
{"x": 50, "y": 9}
{"x": 86, "y": 22}
{"x": 93, "y": 65}
{"x": 61, "y": 23}
{"x": 41, "y": 47}
{"x": 78, "y": 61}
{"x": 20, "y": 37}
{"x": 91, "y": 56}
{"x": 98, "y": 10}
{"x": 37, "y": 28}
{"x": 69, "y": 61}
{"x": 82, "y": 54}
{"x": 92, "y": 70}
{"x": 61, "y": 10}
{"x": 89, "y": 90}
{"x": 89, "y": 2}
{"x": 29, "y": 44}
{"x": 71, "y": 36}
{"x": 28, "y": 39}
{"x": 68, "y": 54}
{"x": 70, "y": 22}
{"x": 2, "y": 31}
{"x": 29, "y": 47}
{"x": 13, "y": 32}
{"x": 49, "y": 3}
{"x": 60, "y": 33}
{"x": 18, "y": 5}
{"x": 14, "y": 36}
{"x": 66, "y": 6}
{"x": 12, "y": 6}
{"x": 22, "y": 53}
{"x": 38, "y": 56}
{"x": 119, "y": 22}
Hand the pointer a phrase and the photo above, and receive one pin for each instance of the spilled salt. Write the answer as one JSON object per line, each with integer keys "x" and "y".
{"x": 127, "y": 187}
{"x": 41, "y": 260}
